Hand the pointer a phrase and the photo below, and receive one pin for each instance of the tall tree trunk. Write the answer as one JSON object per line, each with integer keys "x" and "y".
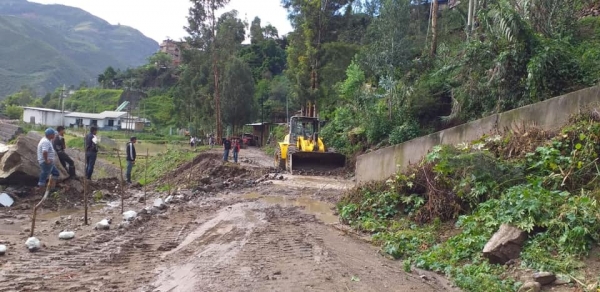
{"x": 434, "y": 31}
{"x": 217, "y": 100}
{"x": 216, "y": 76}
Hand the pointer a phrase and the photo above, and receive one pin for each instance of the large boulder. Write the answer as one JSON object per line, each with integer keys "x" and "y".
{"x": 505, "y": 244}
{"x": 18, "y": 162}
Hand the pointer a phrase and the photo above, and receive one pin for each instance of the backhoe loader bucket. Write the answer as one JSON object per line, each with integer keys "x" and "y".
{"x": 317, "y": 161}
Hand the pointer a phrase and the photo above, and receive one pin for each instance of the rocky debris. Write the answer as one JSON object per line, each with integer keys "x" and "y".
{"x": 531, "y": 287}
{"x": 104, "y": 224}
{"x": 33, "y": 244}
{"x": 9, "y": 222}
{"x": 505, "y": 244}
{"x": 2, "y": 249}
{"x": 66, "y": 235}
{"x": 129, "y": 215}
{"x": 124, "y": 225}
{"x": 205, "y": 180}
{"x": 169, "y": 199}
{"x": 544, "y": 278}
{"x": 159, "y": 204}
{"x": 6, "y": 200}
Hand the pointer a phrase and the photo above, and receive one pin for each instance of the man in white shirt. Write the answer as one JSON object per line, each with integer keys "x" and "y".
{"x": 46, "y": 156}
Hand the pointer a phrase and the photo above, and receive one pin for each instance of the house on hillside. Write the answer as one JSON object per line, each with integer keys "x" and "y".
{"x": 107, "y": 120}
{"x": 135, "y": 124}
{"x": 42, "y": 116}
{"x": 173, "y": 49}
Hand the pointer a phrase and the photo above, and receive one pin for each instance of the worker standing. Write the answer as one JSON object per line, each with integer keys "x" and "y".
{"x": 236, "y": 150}
{"x": 45, "y": 157}
{"x": 60, "y": 147}
{"x": 131, "y": 155}
{"x": 226, "y": 148}
{"x": 91, "y": 151}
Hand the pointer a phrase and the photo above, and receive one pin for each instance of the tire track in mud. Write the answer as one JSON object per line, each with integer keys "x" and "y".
{"x": 261, "y": 247}
{"x": 113, "y": 260}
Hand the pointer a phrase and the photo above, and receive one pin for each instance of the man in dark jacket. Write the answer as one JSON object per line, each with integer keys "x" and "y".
{"x": 91, "y": 152}
{"x": 60, "y": 146}
{"x": 130, "y": 157}
{"x": 226, "y": 148}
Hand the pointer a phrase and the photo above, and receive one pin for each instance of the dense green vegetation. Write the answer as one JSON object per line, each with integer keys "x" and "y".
{"x": 380, "y": 71}
{"x": 62, "y": 45}
{"x": 548, "y": 188}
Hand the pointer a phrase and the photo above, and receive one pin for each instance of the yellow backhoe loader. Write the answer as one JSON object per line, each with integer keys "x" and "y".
{"x": 303, "y": 149}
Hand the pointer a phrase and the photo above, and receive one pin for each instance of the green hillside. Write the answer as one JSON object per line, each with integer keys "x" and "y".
{"x": 45, "y": 46}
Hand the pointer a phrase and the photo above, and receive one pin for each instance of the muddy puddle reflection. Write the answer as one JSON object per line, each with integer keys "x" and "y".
{"x": 49, "y": 215}
{"x": 321, "y": 210}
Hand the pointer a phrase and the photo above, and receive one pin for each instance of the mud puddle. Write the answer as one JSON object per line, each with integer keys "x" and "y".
{"x": 314, "y": 182}
{"x": 321, "y": 210}
{"x": 73, "y": 212}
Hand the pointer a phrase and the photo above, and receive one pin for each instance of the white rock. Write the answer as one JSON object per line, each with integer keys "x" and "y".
{"x": 66, "y": 235}
{"x": 33, "y": 244}
{"x": 168, "y": 199}
{"x": 159, "y": 203}
{"x": 6, "y": 200}
{"x": 103, "y": 225}
{"x": 129, "y": 215}
{"x": 2, "y": 249}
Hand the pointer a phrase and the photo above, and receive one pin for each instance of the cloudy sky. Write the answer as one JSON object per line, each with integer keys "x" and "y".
{"x": 159, "y": 20}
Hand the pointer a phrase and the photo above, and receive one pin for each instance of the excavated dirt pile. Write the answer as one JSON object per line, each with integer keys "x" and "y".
{"x": 207, "y": 172}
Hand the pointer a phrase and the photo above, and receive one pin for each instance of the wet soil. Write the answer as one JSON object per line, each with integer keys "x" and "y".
{"x": 276, "y": 235}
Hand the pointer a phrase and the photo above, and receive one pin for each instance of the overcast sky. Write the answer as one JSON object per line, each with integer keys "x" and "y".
{"x": 159, "y": 19}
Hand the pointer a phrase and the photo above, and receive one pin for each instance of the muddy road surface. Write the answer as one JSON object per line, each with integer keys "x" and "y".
{"x": 276, "y": 235}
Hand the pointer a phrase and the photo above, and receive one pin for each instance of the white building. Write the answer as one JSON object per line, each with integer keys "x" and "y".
{"x": 107, "y": 120}
{"x": 42, "y": 116}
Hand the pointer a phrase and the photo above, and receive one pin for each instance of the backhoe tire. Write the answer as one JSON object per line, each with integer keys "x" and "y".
{"x": 279, "y": 163}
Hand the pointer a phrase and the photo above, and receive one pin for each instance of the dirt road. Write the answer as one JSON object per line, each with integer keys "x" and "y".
{"x": 274, "y": 236}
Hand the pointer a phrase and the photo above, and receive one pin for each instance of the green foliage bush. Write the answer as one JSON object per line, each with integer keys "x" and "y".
{"x": 13, "y": 112}
{"x": 551, "y": 193}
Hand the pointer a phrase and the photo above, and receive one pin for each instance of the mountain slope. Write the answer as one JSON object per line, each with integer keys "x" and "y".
{"x": 45, "y": 46}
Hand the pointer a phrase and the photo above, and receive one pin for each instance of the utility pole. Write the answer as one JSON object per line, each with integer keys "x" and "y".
{"x": 262, "y": 121}
{"x": 62, "y": 104}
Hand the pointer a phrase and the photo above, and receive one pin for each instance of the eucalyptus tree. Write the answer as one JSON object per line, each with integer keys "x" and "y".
{"x": 202, "y": 30}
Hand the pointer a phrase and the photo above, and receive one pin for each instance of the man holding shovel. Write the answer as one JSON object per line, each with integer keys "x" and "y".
{"x": 46, "y": 156}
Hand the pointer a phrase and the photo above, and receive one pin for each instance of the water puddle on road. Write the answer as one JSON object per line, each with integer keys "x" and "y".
{"x": 49, "y": 215}
{"x": 320, "y": 209}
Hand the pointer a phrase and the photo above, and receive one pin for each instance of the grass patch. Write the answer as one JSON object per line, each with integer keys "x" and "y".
{"x": 158, "y": 165}
{"x": 547, "y": 187}
{"x": 147, "y": 137}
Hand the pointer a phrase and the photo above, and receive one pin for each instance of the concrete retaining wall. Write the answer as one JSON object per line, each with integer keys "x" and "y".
{"x": 550, "y": 114}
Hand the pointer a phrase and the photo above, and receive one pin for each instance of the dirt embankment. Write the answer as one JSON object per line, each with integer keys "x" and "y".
{"x": 267, "y": 236}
